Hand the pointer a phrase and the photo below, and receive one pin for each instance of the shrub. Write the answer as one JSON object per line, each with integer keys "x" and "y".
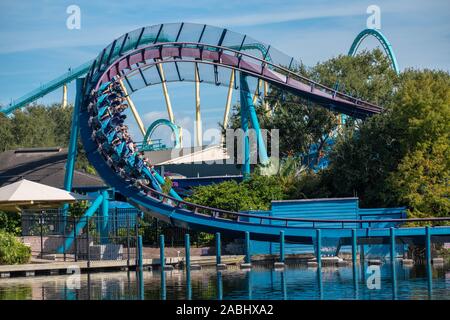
{"x": 12, "y": 251}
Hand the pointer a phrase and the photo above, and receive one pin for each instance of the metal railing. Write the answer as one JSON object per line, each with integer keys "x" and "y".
{"x": 219, "y": 51}
{"x": 237, "y": 216}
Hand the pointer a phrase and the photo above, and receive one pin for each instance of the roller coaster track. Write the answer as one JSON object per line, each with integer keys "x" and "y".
{"x": 387, "y": 47}
{"x": 128, "y": 65}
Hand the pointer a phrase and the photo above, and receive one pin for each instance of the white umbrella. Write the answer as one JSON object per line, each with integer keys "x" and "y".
{"x": 25, "y": 193}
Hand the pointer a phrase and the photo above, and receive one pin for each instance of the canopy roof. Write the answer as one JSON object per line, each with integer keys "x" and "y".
{"x": 25, "y": 193}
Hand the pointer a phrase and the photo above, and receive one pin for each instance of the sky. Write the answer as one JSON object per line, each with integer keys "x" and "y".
{"x": 36, "y": 45}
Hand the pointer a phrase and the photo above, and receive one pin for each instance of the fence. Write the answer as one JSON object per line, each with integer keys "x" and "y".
{"x": 55, "y": 237}
{"x": 51, "y": 235}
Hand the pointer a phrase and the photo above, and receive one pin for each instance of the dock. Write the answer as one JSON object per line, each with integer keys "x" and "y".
{"x": 53, "y": 268}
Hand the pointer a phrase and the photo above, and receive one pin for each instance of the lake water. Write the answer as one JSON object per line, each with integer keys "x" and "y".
{"x": 296, "y": 282}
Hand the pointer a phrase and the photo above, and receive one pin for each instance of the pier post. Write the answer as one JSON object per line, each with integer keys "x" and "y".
{"x": 393, "y": 270}
{"x": 140, "y": 255}
{"x": 188, "y": 284}
{"x": 187, "y": 243}
{"x": 428, "y": 257}
{"x": 282, "y": 246}
{"x": 247, "y": 247}
{"x": 354, "y": 251}
{"x": 219, "y": 264}
{"x": 319, "y": 248}
{"x": 218, "y": 252}
{"x": 219, "y": 286}
{"x": 162, "y": 258}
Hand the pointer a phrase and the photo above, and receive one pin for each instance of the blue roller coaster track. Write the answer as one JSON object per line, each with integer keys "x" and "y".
{"x": 109, "y": 68}
{"x": 222, "y": 51}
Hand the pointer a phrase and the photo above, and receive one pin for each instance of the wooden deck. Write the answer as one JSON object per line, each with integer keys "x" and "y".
{"x": 51, "y": 267}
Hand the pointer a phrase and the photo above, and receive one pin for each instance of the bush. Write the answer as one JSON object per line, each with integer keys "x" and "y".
{"x": 10, "y": 222}
{"x": 12, "y": 251}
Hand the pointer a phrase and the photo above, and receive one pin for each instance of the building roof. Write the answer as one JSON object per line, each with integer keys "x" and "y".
{"x": 188, "y": 155}
{"x": 43, "y": 165}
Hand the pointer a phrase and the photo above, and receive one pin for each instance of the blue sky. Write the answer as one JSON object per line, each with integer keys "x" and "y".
{"x": 36, "y": 46}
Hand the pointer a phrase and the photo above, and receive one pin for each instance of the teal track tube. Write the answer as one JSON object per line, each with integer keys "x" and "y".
{"x": 80, "y": 225}
{"x": 161, "y": 181}
{"x": 244, "y": 125}
{"x": 104, "y": 219}
{"x": 247, "y": 100}
{"x": 72, "y": 151}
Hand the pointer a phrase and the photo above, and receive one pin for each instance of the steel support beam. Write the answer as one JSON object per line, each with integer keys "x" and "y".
{"x": 165, "y": 92}
{"x": 133, "y": 109}
{"x": 198, "y": 118}
{"x": 64, "y": 97}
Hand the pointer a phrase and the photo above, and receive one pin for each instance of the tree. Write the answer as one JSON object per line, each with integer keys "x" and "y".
{"x": 401, "y": 156}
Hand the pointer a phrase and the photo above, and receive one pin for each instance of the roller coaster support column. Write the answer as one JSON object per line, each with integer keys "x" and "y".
{"x": 248, "y": 106}
{"x": 64, "y": 97}
{"x": 81, "y": 224}
{"x": 72, "y": 151}
{"x": 104, "y": 218}
{"x": 244, "y": 126}
{"x": 136, "y": 115}
{"x": 165, "y": 92}
{"x": 228, "y": 104}
{"x": 198, "y": 117}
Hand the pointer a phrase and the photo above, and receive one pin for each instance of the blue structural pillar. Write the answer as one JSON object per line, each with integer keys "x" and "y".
{"x": 282, "y": 246}
{"x": 393, "y": 268}
{"x": 354, "y": 252}
{"x": 218, "y": 250}
{"x": 72, "y": 150}
{"x": 80, "y": 225}
{"x": 247, "y": 100}
{"x": 104, "y": 234}
{"x": 247, "y": 247}
{"x": 244, "y": 126}
{"x": 162, "y": 258}
{"x": 187, "y": 244}
{"x": 428, "y": 258}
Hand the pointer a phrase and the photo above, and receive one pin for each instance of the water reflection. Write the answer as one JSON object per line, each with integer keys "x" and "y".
{"x": 259, "y": 283}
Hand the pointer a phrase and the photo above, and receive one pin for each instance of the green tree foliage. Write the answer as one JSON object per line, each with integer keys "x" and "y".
{"x": 400, "y": 157}
{"x": 255, "y": 193}
{"x": 10, "y": 222}
{"x": 40, "y": 126}
{"x": 12, "y": 251}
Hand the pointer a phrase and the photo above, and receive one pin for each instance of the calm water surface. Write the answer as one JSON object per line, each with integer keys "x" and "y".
{"x": 296, "y": 282}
